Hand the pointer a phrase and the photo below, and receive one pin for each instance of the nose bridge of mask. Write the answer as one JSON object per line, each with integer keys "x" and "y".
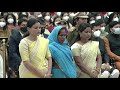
{"x": 97, "y": 33}
{"x": 98, "y": 17}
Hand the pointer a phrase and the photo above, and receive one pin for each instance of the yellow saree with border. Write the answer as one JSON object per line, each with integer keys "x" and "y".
{"x": 36, "y": 52}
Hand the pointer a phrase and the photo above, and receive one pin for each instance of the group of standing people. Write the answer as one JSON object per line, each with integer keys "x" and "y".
{"x": 76, "y": 45}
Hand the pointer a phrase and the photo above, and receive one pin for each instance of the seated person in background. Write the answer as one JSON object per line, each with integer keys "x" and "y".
{"x": 44, "y": 32}
{"x": 14, "y": 58}
{"x": 112, "y": 44}
{"x": 107, "y": 70}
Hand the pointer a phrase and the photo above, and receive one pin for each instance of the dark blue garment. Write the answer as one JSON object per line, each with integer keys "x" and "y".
{"x": 114, "y": 42}
{"x": 45, "y": 35}
{"x": 14, "y": 58}
{"x": 105, "y": 57}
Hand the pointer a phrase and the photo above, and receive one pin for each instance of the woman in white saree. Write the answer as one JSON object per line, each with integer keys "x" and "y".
{"x": 86, "y": 53}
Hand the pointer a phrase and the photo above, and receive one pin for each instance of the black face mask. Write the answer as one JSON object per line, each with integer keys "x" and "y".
{"x": 42, "y": 30}
{"x": 23, "y": 29}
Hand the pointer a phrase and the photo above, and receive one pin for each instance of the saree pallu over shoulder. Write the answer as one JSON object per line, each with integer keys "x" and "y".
{"x": 64, "y": 59}
{"x": 88, "y": 54}
{"x": 35, "y": 52}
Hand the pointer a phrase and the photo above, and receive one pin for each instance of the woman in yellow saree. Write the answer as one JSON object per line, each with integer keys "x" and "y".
{"x": 86, "y": 53}
{"x": 35, "y": 54}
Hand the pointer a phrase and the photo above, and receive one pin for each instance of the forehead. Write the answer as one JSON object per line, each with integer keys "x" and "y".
{"x": 117, "y": 25}
{"x": 82, "y": 18}
{"x": 24, "y": 22}
{"x": 87, "y": 29}
{"x": 58, "y": 19}
{"x": 103, "y": 24}
{"x": 36, "y": 24}
{"x": 62, "y": 31}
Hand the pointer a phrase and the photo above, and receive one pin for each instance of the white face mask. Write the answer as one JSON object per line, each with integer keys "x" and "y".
{"x": 58, "y": 13}
{"x": 98, "y": 17}
{"x": 24, "y": 13}
{"x": 40, "y": 15}
{"x": 102, "y": 29}
{"x": 93, "y": 21}
{"x": 116, "y": 30}
{"x": 66, "y": 18}
{"x": 72, "y": 15}
{"x": 97, "y": 33}
{"x": 2, "y": 24}
{"x": 47, "y": 18}
{"x": 116, "y": 19}
{"x": 10, "y": 20}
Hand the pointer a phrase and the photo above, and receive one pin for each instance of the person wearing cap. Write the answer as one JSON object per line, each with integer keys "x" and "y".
{"x": 112, "y": 44}
{"x": 80, "y": 18}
